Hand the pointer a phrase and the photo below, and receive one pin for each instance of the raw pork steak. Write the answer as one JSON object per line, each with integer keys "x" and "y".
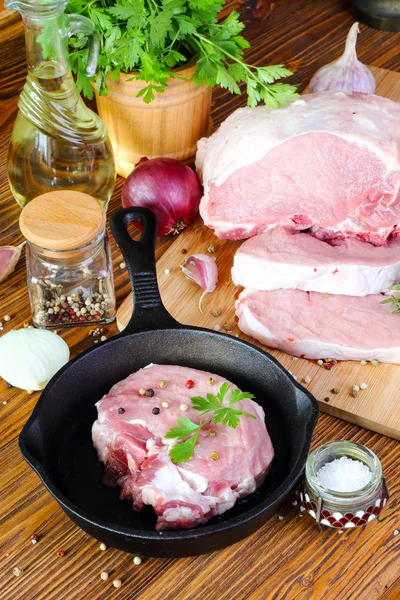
{"x": 281, "y": 258}
{"x": 329, "y": 161}
{"x": 312, "y": 325}
{"x": 135, "y": 453}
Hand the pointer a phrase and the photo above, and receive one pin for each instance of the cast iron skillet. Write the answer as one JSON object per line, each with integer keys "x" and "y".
{"x": 56, "y": 440}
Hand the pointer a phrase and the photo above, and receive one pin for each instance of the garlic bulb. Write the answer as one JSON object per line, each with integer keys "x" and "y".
{"x": 30, "y": 357}
{"x": 347, "y": 74}
{"x": 201, "y": 269}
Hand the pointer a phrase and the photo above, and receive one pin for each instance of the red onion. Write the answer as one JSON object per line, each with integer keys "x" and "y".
{"x": 166, "y": 186}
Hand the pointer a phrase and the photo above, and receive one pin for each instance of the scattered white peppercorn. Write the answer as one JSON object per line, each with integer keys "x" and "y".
{"x": 103, "y": 546}
{"x": 183, "y": 407}
{"x": 117, "y": 583}
{"x": 280, "y": 518}
{"x": 320, "y": 362}
{"x": 306, "y": 379}
{"x": 373, "y": 362}
{"x": 142, "y": 392}
{"x": 17, "y": 571}
{"x": 167, "y": 271}
{"x": 363, "y": 363}
{"x": 356, "y": 388}
{"x": 137, "y": 560}
{"x": 162, "y": 384}
{"x": 396, "y": 532}
{"x": 217, "y": 327}
{"x": 122, "y": 265}
{"x": 104, "y": 575}
{"x": 164, "y": 404}
{"x": 7, "y": 318}
{"x": 363, "y": 385}
{"x": 103, "y": 338}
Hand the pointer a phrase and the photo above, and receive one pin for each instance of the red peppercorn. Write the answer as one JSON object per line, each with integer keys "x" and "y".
{"x": 189, "y": 384}
{"x": 60, "y": 553}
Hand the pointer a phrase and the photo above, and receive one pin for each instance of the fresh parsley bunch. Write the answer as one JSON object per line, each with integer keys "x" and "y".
{"x": 152, "y": 37}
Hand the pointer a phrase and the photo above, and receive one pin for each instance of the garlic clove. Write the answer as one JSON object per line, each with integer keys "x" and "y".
{"x": 9, "y": 256}
{"x": 201, "y": 269}
{"x": 30, "y": 357}
{"x": 347, "y": 74}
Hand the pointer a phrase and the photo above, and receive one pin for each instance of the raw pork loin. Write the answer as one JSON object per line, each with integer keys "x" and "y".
{"x": 281, "y": 258}
{"x": 135, "y": 453}
{"x": 329, "y": 161}
{"x": 312, "y": 325}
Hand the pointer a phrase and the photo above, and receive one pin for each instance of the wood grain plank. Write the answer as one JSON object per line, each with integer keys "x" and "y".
{"x": 286, "y": 559}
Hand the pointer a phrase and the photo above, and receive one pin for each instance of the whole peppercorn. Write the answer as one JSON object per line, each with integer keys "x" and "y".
{"x": 104, "y": 575}
{"x": 155, "y": 411}
{"x": 142, "y": 392}
{"x": 117, "y": 583}
{"x": 60, "y": 553}
{"x": 210, "y": 381}
{"x": 17, "y": 571}
{"x": 34, "y": 538}
{"x": 162, "y": 383}
{"x": 149, "y": 393}
{"x": 189, "y": 384}
{"x": 121, "y": 411}
{"x": 214, "y": 455}
{"x": 137, "y": 560}
{"x": 184, "y": 251}
{"x": 327, "y": 399}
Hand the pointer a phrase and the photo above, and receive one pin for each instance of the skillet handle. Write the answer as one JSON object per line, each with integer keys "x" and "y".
{"x": 149, "y": 312}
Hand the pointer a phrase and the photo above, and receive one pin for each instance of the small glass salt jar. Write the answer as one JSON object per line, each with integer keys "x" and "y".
{"x": 343, "y": 509}
{"x": 69, "y": 267}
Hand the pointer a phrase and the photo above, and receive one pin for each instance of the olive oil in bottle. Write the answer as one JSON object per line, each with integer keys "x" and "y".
{"x": 57, "y": 141}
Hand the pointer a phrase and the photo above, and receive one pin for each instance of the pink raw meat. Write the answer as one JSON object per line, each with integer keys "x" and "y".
{"x": 132, "y": 446}
{"x": 282, "y": 258}
{"x": 312, "y": 325}
{"x": 328, "y": 161}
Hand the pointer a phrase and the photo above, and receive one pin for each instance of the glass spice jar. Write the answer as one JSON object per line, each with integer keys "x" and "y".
{"x": 345, "y": 510}
{"x": 69, "y": 267}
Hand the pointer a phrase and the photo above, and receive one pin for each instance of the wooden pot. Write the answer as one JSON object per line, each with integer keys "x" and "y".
{"x": 169, "y": 126}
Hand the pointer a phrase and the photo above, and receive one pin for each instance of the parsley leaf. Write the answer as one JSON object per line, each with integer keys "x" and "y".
{"x": 188, "y": 432}
{"x": 181, "y": 452}
{"x": 394, "y": 300}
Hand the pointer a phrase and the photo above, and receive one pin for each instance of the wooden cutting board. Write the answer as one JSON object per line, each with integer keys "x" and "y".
{"x": 376, "y": 408}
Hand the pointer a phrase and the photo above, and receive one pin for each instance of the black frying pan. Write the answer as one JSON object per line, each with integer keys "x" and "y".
{"x": 56, "y": 440}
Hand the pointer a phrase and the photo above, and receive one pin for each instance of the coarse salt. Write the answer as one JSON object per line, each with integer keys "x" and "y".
{"x": 344, "y": 475}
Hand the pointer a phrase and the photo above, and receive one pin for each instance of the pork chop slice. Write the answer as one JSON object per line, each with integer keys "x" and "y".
{"x": 329, "y": 161}
{"x": 129, "y": 436}
{"x": 282, "y": 258}
{"x": 313, "y": 325}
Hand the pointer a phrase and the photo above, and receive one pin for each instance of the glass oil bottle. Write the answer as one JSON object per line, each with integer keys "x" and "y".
{"x": 57, "y": 141}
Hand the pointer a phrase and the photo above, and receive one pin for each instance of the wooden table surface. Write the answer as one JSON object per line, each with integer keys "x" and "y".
{"x": 288, "y": 558}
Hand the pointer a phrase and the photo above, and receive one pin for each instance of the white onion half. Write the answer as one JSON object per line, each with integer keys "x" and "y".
{"x": 30, "y": 357}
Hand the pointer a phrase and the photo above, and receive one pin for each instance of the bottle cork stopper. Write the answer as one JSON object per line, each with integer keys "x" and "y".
{"x": 62, "y": 220}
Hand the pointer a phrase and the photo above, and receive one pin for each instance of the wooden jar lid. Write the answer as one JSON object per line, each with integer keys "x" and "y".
{"x": 62, "y": 220}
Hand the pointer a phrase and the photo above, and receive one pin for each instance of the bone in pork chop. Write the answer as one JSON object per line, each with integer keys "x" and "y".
{"x": 313, "y": 325}
{"x": 329, "y": 161}
{"x": 129, "y": 439}
{"x": 281, "y": 258}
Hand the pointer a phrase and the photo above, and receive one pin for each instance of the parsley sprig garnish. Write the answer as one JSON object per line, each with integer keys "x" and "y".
{"x": 152, "y": 37}
{"x": 394, "y": 300}
{"x": 219, "y": 412}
